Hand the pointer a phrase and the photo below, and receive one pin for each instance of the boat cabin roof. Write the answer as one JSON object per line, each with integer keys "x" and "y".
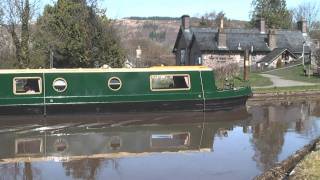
{"x": 93, "y": 70}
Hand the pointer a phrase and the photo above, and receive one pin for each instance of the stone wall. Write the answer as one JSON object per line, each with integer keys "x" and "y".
{"x": 217, "y": 60}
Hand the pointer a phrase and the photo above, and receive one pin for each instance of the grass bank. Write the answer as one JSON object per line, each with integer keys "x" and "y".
{"x": 309, "y": 168}
{"x": 295, "y": 73}
{"x": 255, "y": 80}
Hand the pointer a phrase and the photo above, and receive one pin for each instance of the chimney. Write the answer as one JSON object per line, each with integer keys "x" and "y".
{"x": 302, "y": 25}
{"x": 272, "y": 39}
{"x": 185, "y": 22}
{"x": 221, "y": 22}
{"x": 222, "y": 36}
{"x": 261, "y": 25}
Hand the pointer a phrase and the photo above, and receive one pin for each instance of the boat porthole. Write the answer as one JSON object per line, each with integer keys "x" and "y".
{"x": 59, "y": 85}
{"x": 114, "y": 83}
{"x": 61, "y": 145}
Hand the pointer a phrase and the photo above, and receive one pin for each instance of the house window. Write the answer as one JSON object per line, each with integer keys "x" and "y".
{"x": 170, "y": 82}
{"x": 183, "y": 56}
{"x": 27, "y": 85}
{"x": 199, "y": 60}
{"x": 59, "y": 85}
{"x": 114, "y": 83}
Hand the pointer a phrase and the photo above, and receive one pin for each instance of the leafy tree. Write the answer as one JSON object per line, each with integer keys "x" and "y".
{"x": 77, "y": 34}
{"x": 275, "y": 13}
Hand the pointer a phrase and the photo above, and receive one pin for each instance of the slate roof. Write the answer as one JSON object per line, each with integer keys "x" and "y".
{"x": 275, "y": 54}
{"x": 206, "y": 38}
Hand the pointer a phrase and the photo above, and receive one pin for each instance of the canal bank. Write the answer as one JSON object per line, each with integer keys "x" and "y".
{"x": 286, "y": 91}
{"x": 300, "y": 165}
{"x": 308, "y": 168}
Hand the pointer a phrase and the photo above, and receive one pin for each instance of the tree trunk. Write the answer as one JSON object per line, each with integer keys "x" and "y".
{"x": 25, "y": 34}
{"x": 16, "y": 41}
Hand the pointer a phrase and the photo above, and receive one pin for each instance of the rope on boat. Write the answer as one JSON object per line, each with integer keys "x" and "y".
{"x": 44, "y": 95}
{"x": 204, "y": 98}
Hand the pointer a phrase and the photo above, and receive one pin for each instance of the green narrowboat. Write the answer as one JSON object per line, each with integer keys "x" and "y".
{"x": 170, "y": 88}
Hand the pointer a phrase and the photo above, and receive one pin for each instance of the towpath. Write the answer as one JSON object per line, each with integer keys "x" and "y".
{"x": 279, "y": 82}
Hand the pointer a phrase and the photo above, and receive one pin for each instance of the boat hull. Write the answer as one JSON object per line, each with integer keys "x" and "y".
{"x": 154, "y": 106}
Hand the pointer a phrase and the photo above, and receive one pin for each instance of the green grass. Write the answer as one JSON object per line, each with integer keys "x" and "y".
{"x": 256, "y": 80}
{"x": 309, "y": 168}
{"x": 295, "y": 73}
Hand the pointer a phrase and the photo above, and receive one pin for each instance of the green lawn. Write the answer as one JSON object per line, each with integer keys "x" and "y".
{"x": 308, "y": 168}
{"x": 295, "y": 73}
{"x": 255, "y": 80}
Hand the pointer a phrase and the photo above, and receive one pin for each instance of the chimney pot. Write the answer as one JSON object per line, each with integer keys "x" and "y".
{"x": 272, "y": 39}
{"x": 185, "y": 22}
{"x": 261, "y": 25}
{"x": 221, "y": 22}
{"x": 302, "y": 25}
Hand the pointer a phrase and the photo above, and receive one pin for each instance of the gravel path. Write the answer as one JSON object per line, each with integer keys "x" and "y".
{"x": 279, "y": 82}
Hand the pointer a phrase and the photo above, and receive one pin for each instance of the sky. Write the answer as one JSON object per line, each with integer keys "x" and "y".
{"x": 234, "y": 9}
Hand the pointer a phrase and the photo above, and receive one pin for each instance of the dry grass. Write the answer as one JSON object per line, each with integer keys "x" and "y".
{"x": 309, "y": 168}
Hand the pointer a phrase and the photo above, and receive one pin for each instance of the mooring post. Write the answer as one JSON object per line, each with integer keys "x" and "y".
{"x": 245, "y": 65}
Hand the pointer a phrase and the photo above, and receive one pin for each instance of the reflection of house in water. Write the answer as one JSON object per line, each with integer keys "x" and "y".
{"x": 293, "y": 113}
{"x": 270, "y": 124}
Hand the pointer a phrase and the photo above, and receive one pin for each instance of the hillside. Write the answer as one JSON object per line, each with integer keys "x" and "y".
{"x": 156, "y": 36}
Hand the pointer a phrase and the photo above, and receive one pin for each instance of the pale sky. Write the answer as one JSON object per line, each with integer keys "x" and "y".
{"x": 234, "y": 9}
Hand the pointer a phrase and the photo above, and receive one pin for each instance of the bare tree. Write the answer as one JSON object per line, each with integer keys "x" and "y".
{"x": 213, "y": 19}
{"x": 309, "y": 11}
{"x": 226, "y": 73}
{"x": 17, "y": 15}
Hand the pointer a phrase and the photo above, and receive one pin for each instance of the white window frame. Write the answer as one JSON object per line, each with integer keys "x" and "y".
{"x": 168, "y": 136}
{"x": 109, "y": 81}
{"x": 15, "y": 87}
{"x": 59, "y": 78}
{"x": 173, "y": 89}
{"x": 17, "y": 141}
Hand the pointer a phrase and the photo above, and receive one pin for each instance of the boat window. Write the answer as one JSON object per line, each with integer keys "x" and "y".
{"x": 114, "y": 83}
{"x": 27, "y": 85}
{"x": 171, "y": 140}
{"x": 59, "y": 85}
{"x": 115, "y": 143}
{"x": 170, "y": 82}
{"x": 28, "y": 146}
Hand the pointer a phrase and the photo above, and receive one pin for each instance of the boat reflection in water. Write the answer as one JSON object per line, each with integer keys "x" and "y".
{"x": 68, "y": 137}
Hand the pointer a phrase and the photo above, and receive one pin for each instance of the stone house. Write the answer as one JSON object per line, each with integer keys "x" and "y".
{"x": 214, "y": 47}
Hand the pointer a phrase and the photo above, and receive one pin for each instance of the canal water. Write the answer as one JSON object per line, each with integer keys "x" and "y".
{"x": 235, "y": 144}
